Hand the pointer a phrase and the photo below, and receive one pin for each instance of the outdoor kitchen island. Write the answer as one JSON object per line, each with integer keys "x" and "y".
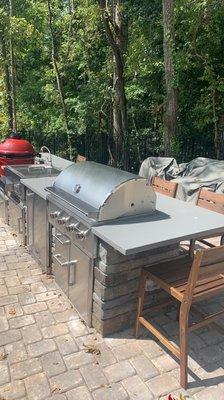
{"x": 107, "y": 225}
{"x": 125, "y": 246}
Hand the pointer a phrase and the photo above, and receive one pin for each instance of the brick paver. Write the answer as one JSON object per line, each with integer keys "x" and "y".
{"x": 44, "y": 352}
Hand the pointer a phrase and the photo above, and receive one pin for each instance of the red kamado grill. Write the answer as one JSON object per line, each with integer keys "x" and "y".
{"x": 14, "y": 151}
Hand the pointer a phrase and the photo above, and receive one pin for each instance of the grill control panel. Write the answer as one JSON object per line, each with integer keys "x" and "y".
{"x": 78, "y": 232}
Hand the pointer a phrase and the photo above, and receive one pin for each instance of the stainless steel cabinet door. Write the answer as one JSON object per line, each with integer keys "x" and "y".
{"x": 80, "y": 283}
{"x": 38, "y": 228}
{"x": 30, "y": 219}
{"x": 16, "y": 214}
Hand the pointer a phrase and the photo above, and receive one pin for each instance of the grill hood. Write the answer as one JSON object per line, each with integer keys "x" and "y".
{"x": 102, "y": 192}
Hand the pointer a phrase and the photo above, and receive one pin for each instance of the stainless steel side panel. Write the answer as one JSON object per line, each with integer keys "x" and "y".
{"x": 38, "y": 229}
{"x": 17, "y": 220}
{"x": 80, "y": 282}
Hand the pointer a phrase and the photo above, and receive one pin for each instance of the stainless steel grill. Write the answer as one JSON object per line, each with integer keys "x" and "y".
{"x": 102, "y": 193}
{"x": 83, "y": 195}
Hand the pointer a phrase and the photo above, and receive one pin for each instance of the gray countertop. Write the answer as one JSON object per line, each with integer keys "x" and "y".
{"x": 57, "y": 162}
{"x": 38, "y": 185}
{"x": 173, "y": 221}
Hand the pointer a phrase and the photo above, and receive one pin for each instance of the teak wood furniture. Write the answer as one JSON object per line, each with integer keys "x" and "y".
{"x": 164, "y": 187}
{"x": 188, "y": 281}
{"x": 211, "y": 201}
{"x": 80, "y": 158}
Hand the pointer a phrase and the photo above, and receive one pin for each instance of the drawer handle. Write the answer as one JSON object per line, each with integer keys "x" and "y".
{"x": 20, "y": 229}
{"x": 72, "y": 272}
{"x": 59, "y": 237}
{"x": 58, "y": 257}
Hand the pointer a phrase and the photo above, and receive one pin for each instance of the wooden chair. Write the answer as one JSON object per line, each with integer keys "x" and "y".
{"x": 213, "y": 202}
{"x": 188, "y": 281}
{"x": 80, "y": 158}
{"x": 165, "y": 187}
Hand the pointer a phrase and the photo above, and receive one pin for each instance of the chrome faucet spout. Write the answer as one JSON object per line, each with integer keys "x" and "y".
{"x": 45, "y": 148}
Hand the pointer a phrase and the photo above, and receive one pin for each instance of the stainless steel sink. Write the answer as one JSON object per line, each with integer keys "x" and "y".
{"x": 35, "y": 171}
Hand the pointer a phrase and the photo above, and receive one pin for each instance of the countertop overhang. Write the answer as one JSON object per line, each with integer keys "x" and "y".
{"x": 173, "y": 221}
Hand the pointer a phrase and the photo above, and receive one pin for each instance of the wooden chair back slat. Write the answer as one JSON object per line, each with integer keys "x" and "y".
{"x": 164, "y": 187}
{"x": 211, "y": 201}
{"x": 212, "y": 256}
{"x": 206, "y": 263}
{"x": 80, "y": 158}
{"x": 211, "y": 270}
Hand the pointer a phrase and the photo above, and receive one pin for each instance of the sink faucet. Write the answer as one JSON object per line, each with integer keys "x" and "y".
{"x": 50, "y": 156}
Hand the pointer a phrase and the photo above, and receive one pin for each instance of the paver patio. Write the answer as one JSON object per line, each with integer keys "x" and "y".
{"x": 46, "y": 351}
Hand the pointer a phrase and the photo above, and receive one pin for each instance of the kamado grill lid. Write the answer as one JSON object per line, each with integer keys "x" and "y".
{"x": 103, "y": 192}
{"x": 15, "y": 146}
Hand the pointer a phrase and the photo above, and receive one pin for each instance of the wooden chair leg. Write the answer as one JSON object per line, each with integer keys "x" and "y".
{"x": 191, "y": 248}
{"x": 178, "y": 313}
{"x": 141, "y": 298}
{"x": 183, "y": 329}
{"x": 222, "y": 240}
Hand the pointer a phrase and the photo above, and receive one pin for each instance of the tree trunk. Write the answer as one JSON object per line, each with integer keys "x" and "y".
{"x": 171, "y": 106}
{"x": 216, "y": 130}
{"x": 116, "y": 32}
{"x": 6, "y": 75}
{"x": 12, "y": 68}
{"x": 58, "y": 79}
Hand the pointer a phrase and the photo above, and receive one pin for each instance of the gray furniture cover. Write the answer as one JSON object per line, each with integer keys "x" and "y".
{"x": 200, "y": 172}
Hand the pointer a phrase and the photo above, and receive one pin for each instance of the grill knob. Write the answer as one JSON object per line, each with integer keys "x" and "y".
{"x": 55, "y": 214}
{"x": 81, "y": 235}
{"x": 62, "y": 221}
{"x": 72, "y": 227}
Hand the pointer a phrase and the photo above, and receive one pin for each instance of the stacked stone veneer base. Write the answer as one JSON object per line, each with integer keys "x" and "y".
{"x": 116, "y": 281}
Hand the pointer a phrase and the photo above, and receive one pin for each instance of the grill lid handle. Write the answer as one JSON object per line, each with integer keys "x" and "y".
{"x": 77, "y": 188}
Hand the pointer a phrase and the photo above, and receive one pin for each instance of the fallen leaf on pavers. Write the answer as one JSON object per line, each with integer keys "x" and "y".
{"x": 184, "y": 397}
{"x": 106, "y": 386}
{"x": 12, "y": 311}
{"x": 55, "y": 363}
{"x": 56, "y": 389}
{"x": 92, "y": 349}
{"x": 3, "y": 356}
{"x": 48, "y": 276}
{"x": 83, "y": 322}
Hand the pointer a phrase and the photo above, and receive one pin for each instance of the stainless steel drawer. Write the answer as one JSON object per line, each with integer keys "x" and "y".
{"x": 61, "y": 244}
{"x": 60, "y": 258}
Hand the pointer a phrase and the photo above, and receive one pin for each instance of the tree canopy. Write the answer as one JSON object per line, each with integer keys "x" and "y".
{"x": 68, "y": 86}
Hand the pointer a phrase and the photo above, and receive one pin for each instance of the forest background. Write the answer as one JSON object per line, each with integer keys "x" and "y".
{"x": 116, "y": 80}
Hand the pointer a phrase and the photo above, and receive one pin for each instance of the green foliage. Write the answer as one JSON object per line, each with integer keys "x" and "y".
{"x": 85, "y": 64}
